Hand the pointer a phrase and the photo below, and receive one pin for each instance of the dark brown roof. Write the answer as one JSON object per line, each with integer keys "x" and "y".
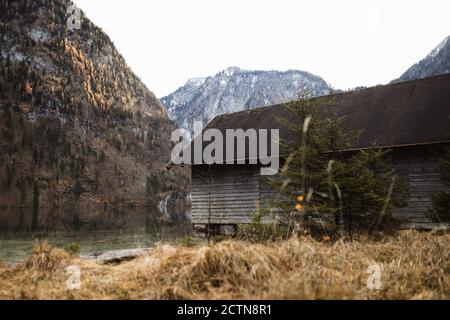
{"x": 407, "y": 113}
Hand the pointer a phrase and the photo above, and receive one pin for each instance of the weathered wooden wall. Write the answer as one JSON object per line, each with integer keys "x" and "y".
{"x": 418, "y": 168}
{"x": 225, "y": 194}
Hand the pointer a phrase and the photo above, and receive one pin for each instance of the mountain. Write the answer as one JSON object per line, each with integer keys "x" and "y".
{"x": 77, "y": 126}
{"x": 435, "y": 63}
{"x": 234, "y": 90}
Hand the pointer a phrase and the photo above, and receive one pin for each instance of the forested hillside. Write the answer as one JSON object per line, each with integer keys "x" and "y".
{"x": 76, "y": 124}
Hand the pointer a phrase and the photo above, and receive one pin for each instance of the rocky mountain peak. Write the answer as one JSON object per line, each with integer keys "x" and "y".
{"x": 235, "y": 89}
{"x": 435, "y": 63}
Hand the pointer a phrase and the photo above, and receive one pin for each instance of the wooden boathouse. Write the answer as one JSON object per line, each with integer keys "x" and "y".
{"x": 411, "y": 118}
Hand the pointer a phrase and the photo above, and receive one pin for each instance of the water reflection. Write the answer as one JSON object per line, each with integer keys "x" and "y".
{"x": 78, "y": 219}
{"x": 93, "y": 229}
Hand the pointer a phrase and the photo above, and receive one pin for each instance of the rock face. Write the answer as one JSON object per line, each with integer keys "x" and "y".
{"x": 77, "y": 126}
{"x": 234, "y": 90}
{"x": 435, "y": 63}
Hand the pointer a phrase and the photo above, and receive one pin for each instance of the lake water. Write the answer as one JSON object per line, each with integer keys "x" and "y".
{"x": 92, "y": 230}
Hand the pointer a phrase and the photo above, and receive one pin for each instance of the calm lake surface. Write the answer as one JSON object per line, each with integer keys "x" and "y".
{"x": 92, "y": 230}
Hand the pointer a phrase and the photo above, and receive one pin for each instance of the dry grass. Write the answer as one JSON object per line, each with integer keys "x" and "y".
{"x": 415, "y": 266}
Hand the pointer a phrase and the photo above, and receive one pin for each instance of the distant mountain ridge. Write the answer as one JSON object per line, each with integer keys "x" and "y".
{"x": 437, "y": 62}
{"x": 234, "y": 89}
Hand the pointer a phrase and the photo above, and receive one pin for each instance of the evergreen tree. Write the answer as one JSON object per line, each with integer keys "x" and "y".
{"x": 78, "y": 190}
{"x": 35, "y": 213}
{"x": 8, "y": 117}
{"x": 10, "y": 174}
{"x": 324, "y": 182}
{"x": 96, "y": 180}
{"x": 440, "y": 208}
{"x": 153, "y": 184}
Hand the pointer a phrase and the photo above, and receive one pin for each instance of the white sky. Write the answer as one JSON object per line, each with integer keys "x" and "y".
{"x": 347, "y": 42}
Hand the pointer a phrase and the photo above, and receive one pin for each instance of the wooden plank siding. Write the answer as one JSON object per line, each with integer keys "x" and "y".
{"x": 418, "y": 168}
{"x": 231, "y": 194}
{"x": 225, "y": 194}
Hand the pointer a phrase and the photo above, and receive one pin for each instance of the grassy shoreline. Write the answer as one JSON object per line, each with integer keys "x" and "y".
{"x": 414, "y": 266}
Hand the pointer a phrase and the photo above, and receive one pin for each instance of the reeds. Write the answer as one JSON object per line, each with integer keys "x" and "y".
{"x": 414, "y": 266}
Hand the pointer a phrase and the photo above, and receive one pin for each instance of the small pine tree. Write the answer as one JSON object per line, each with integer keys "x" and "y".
{"x": 8, "y": 117}
{"x": 35, "y": 212}
{"x": 440, "y": 200}
{"x": 153, "y": 184}
{"x": 369, "y": 186}
{"x": 323, "y": 182}
{"x": 10, "y": 174}
{"x": 96, "y": 180}
{"x": 78, "y": 190}
{"x": 102, "y": 157}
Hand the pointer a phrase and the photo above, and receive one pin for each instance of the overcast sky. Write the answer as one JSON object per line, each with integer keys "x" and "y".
{"x": 348, "y": 43}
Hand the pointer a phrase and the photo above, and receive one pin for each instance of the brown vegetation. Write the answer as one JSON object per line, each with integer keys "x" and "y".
{"x": 415, "y": 266}
{"x": 77, "y": 126}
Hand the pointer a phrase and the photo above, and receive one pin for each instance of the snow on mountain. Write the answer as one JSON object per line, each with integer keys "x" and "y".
{"x": 439, "y": 48}
{"x": 435, "y": 63}
{"x": 234, "y": 89}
